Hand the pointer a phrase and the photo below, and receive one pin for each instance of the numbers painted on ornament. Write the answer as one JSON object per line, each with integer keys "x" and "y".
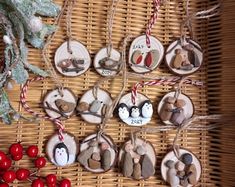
{"x": 106, "y": 72}
{"x": 136, "y": 121}
{"x": 138, "y": 47}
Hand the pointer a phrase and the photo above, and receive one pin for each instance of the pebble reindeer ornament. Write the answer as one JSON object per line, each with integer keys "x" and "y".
{"x": 107, "y": 60}
{"x": 146, "y": 52}
{"x": 137, "y": 158}
{"x": 185, "y": 56}
{"x": 71, "y": 58}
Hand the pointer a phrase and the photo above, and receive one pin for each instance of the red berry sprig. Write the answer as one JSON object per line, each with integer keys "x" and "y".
{"x": 16, "y": 152}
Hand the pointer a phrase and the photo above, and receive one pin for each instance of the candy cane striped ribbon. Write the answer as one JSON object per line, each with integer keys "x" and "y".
{"x": 23, "y": 97}
{"x": 163, "y": 81}
{"x": 152, "y": 21}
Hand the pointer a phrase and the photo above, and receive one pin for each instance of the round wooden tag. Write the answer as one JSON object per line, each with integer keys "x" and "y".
{"x": 62, "y": 153}
{"x": 74, "y": 64}
{"x": 107, "y": 66}
{"x": 57, "y": 106}
{"x": 143, "y": 59}
{"x": 97, "y": 156}
{"x": 184, "y": 59}
{"x": 183, "y": 172}
{"x": 137, "y": 160}
{"x": 135, "y": 115}
{"x": 92, "y": 109}
{"x": 173, "y": 111}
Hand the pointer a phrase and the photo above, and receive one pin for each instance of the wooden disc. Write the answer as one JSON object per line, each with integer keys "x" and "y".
{"x": 126, "y": 111}
{"x": 88, "y": 98}
{"x": 171, "y": 156}
{"x": 102, "y": 53}
{"x": 188, "y": 108}
{"x": 80, "y": 52}
{"x": 62, "y": 153}
{"x": 52, "y": 96}
{"x": 138, "y": 142}
{"x": 111, "y": 148}
{"x": 171, "y": 57}
{"x": 139, "y": 63}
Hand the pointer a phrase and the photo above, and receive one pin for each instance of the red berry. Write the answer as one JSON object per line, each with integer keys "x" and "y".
{"x": 16, "y": 149}
{"x": 17, "y": 157}
{"x": 2, "y": 156}
{"x": 40, "y": 162}
{"x": 9, "y": 176}
{"x": 5, "y": 164}
{"x": 51, "y": 179}
{"x": 65, "y": 183}
{"x": 37, "y": 183}
{"x": 4, "y": 185}
{"x": 32, "y": 151}
{"x": 22, "y": 174}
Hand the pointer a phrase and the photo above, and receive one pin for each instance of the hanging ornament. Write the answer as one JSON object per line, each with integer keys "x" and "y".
{"x": 58, "y": 105}
{"x": 61, "y": 148}
{"x": 185, "y": 56}
{"x": 107, "y": 60}
{"x": 146, "y": 52}
{"x": 97, "y": 153}
{"x": 183, "y": 170}
{"x": 137, "y": 159}
{"x": 72, "y": 58}
{"x": 136, "y": 113}
{"x": 93, "y": 105}
{"x": 175, "y": 107}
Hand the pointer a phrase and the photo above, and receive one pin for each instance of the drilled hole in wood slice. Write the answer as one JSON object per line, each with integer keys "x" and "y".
{"x": 184, "y": 60}
{"x": 172, "y": 111}
{"x": 57, "y": 106}
{"x": 110, "y": 69}
{"x": 80, "y": 54}
{"x": 177, "y": 173}
{"x": 137, "y": 160}
{"x": 62, "y": 153}
{"x": 135, "y": 115}
{"x": 92, "y": 109}
{"x": 97, "y": 156}
{"x": 143, "y": 59}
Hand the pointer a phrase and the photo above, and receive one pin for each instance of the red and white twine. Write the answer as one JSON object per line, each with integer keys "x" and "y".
{"x": 152, "y": 21}
{"x": 23, "y": 97}
{"x": 163, "y": 81}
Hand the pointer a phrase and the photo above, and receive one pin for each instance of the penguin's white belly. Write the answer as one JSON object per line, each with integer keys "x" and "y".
{"x": 61, "y": 160}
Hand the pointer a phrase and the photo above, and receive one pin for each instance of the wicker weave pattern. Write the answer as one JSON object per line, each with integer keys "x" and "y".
{"x": 89, "y": 23}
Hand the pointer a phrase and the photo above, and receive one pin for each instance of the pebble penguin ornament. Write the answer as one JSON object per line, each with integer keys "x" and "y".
{"x": 61, "y": 154}
{"x": 123, "y": 111}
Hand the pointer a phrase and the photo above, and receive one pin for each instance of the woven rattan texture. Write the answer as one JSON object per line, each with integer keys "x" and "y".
{"x": 89, "y": 26}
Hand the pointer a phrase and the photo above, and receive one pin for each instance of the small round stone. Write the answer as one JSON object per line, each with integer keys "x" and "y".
{"x": 82, "y": 107}
{"x": 136, "y": 160}
{"x": 180, "y": 103}
{"x": 179, "y": 166}
{"x": 129, "y": 147}
{"x": 104, "y": 146}
{"x": 187, "y": 158}
{"x": 170, "y": 164}
{"x": 141, "y": 150}
{"x": 96, "y": 156}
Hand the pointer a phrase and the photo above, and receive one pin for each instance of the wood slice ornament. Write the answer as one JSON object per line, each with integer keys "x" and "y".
{"x": 182, "y": 172}
{"x": 174, "y": 108}
{"x": 144, "y": 59}
{"x": 92, "y": 108}
{"x": 137, "y": 159}
{"x": 60, "y": 105}
{"x": 75, "y": 63}
{"x": 107, "y": 65}
{"x": 184, "y": 58}
{"x": 137, "y": 114}
{"x": 62, "y": 153}
{"x": 97, "y": 153}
